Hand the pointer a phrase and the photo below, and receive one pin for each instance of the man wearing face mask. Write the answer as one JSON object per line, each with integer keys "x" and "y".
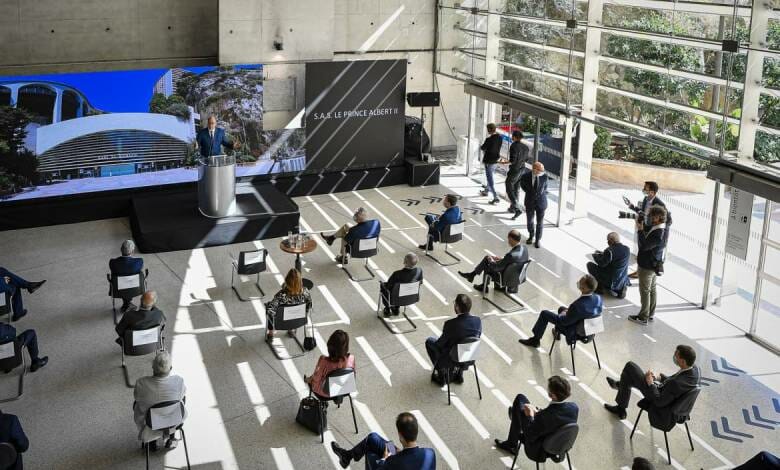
{"x": 650, "y": 192}
{"x": 364, "y": 228}
{"x": 661, "y": 391}
{"x": 534, "y": 184}
{"x": 650, "y": 260}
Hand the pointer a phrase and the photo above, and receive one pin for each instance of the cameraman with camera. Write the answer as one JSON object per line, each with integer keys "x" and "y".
{"x": 650, "y": 191}
{"x": 652, "y": 241}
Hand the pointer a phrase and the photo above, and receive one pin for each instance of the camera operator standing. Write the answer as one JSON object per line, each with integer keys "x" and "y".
{"x": 650, "y": 190}
{"x": 652, "y": 241}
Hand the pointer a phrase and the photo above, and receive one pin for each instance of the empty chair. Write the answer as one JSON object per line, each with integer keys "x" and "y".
{"x": 289, "y": 317}
{"x": 168, "y": 415}
{"x": 362, "y": 248}
{"x": 11, "y": 357}
{"x": 452, "y": 233}
{"x": 140, "y": 343}
{"x": 586, "y": 333}
{"x": 8, "y": 455}
{"x": 681, "y": 413}
{"x": 247, "y": 264}
{"x": 121, "y": 287}
{"x": 511, "y": 278}
{"x": 464, "y": 355}
{"x": 556, "y": 446}
{"x": 5, "y": 305}
{"x": 402, "y": 295}
{"x": 339, "y": 383}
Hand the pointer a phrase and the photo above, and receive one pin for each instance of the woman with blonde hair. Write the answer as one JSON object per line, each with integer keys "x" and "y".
{"x": 291, "y": 293}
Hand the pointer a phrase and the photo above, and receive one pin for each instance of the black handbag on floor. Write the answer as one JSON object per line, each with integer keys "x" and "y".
{"x": 308, "y": 412}
{"x": 309, "y": 342}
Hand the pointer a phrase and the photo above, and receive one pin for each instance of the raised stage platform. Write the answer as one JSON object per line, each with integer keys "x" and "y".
{"x": 171, "y": 221}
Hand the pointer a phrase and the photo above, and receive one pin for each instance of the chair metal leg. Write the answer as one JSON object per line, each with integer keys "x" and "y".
{"x": 495, "y": 304}
{"x": 126, "y": 372}
{"x": 446, "y": 252}
{"x": 514, "y": 461}
{"x": 476, "y": 377}
{"x": 447, "y": 376}
{"x": 390, "y": 327}
{"x": 573, "y": 367}
{"x": 687, "y": 431}
{"x": 568, "y": 460}
{"x": 146, "y": 446}
{"x": 21, "y": 381}
{"x": 321, "y": 420}
{"x": 635, "y": 424}
{"x": 363, "y": 279}
{"x": 595, "y": 349}
{"x": 668, "y": 454}
{"x": 186, "y": 451}
{"x": 113, "y": 309}
{"x": 555, "y": 338}
{"x": 233, "y": 274}
{"x": 289, "y": 356}
{"x": 537, "y": 465}
{"x": 354, "y": 420}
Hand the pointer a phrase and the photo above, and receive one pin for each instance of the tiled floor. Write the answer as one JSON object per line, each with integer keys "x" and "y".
{"x": 242, "y": 401}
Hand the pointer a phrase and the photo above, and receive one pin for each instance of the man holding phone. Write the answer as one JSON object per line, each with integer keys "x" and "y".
{"x": 383, "y": 454}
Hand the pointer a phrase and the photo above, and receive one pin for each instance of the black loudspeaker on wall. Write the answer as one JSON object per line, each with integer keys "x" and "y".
{"x": 425, "y": 99}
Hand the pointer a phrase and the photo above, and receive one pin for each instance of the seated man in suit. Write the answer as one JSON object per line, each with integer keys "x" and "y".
{"x": 126, "y": 265}
{"x": 11, "y": 432}
{"x": 364, "y": 228}
{"x": 12, "y": 285}
{"x": 381, "y": 453}
{"x": 530, "y": 425}
{"x": 494, "y": 264}
{"x": 162, "y": 386}
{"x": 463, "y": 326}
{"x": 28, "y": 338}
{"x": 410, "y": 273}
{"x": 761, "y": 461}
{"x": 146, "y": 317}
{"x": 436, "y": 225}
{"x": 661, "y": 391}
{"x": 641, "y": 463}
{"x": 610, "y": 267}
{"x": 588, "y": 305}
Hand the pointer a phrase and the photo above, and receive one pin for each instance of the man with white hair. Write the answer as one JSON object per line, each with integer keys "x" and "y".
{"x": 610, "y": 267}
{"x": 209, "y": 141}
{"x": 148, "y": 316}
{"x": 126, "y": 265}
{"x": 151, "y": 390}
{"x": 364, "y": 228}
{"x": 409, "y": 273}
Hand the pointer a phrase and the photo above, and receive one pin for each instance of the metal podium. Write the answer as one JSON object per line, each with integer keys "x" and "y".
{"x": 217, "y": 185}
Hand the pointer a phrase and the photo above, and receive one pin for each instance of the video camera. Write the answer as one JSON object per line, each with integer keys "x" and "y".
{"x": 633, "y": 214}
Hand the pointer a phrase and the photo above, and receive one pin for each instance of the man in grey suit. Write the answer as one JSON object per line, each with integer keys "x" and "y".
{"x": 493, "y": 265}
{"x": 149, "y": 391}
{"x": 147, "y": 316}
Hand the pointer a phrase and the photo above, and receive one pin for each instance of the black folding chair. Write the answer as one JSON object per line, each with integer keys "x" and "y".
{"x": 339, "y": 383}
{"x": 5, "y": 306}
{"x": 8, "y": 455}
{"x": 681, "y": 413}
{"x": 587, "y": 330}
{"x": 402, "y": 295}
{"x": 513, "y": 276}
{"x": 167, "y": 415}
{"x": 126, "y": 287}
{"x": 464, "y": 355}
{"x": 11, "y": 357}
{"x": 140, "y": 343}
{"x": 247, "y": 264}
{"x": 362, "y": 248}
{"x": 289, "y": 317}
{"x": 556, "y": 446}
{"x": 452, "y": 233}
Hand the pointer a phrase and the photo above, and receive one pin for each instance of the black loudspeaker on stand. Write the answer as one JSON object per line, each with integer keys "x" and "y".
{"x": 423, "y": 100}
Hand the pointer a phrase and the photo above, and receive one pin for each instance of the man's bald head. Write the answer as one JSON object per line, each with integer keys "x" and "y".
{"x": 148, "y": 299}
{"x": 538, "y": 167}
{"x": 612, "y": 238}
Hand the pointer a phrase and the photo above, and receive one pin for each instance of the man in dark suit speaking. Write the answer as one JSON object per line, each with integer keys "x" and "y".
{"x": 211, "y": 139}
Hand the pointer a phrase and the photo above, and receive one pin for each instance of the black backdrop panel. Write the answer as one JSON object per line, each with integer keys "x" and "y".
{"x": 355, "y": 114}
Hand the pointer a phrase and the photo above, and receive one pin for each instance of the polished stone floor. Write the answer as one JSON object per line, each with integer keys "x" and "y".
{"x": 242, "y": 400}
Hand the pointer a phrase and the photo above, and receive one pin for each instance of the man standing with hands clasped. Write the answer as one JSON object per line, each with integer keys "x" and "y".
{"x": 535, "y": 186}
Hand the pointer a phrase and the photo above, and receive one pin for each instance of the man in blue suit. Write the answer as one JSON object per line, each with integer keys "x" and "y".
{"x": 610, "y": 267}
{"x": 535, "y": 186}
{"x": 29, "y": 339}
{"x": 126, "y": 265}
{"x": 12, "y": 285}
{"x": 383, "y": 454}
{"x": 588, "y": 305}
{"x": 494, "y": 265}
{"x": 455, "y": 330}
{"x": 211, "y": 139}
{"x": 364, "y": 228}
{"x": 531, "y": 425}
{"x": 436, "y": 225}
{"x": 11, "y": 432}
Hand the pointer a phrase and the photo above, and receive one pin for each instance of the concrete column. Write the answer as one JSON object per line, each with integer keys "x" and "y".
{"x": 748, "y": 125}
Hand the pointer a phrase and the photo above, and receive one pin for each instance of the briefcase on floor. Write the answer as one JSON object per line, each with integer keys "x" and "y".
{"x": 308, "y": 412}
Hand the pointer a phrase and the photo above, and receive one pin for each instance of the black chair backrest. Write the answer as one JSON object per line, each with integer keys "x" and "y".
{"x": 131, "y": 285}
{"x": 515, "y": 274}
{"x": 8, "y": 455}
{"x": 561, "y": 441}
{"x": 364, "y": 247}
{"x": 290, "y": 316}
{"x": 683, "y": 405}
{"x": 410, "y": 291}
{"x": 10, "y": 354}
{"x": 165, "y": 415}
{"x": 453, "y": 232}
{"x": 340, "y": 382}
{"x": 141, "y": 342}
{"x": 465, "y": 352}
{"x": 251, "y": 262}
{"x": 5, "y": 303}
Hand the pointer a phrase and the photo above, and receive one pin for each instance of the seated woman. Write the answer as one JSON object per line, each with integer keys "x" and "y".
{"x": 338, "y": 358}
{"x": 291, "y": 293}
